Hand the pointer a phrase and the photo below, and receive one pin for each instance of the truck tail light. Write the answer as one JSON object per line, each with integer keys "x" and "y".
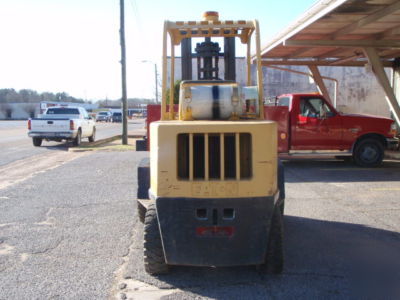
{"x": 29, "y": 125}
{"x": 71, "y": 125}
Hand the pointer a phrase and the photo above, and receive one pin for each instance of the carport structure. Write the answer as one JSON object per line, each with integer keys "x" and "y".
{"x": 349, "y": 33}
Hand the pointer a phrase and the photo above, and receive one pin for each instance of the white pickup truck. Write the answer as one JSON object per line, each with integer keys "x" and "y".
{"x": 62, "y": 123}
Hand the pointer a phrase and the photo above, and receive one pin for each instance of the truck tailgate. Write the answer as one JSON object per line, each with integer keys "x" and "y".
{"x": 50, "y": 125}
{"x": 279, "y": 114}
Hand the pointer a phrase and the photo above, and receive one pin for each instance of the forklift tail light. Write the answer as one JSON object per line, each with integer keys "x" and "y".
{"x": 71, "y": 125}
{"x": 215, "y": 231}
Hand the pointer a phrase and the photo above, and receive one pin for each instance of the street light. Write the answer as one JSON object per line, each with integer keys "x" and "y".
{"x": 155, "y": 76}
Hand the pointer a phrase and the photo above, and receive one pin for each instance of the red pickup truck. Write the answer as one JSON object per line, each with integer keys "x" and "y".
{"x": 310, "y": 125}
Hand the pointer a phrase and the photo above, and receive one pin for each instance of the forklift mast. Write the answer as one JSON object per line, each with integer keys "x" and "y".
{"x": 208, "y": 54}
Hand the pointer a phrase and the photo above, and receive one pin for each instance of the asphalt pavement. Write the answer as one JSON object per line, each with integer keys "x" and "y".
{"x": 342, "y": 241}
{"x": 72, "y": 232}
{"x": 64, "y": 232}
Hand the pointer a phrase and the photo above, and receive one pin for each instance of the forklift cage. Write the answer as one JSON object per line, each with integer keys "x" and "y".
{"x": 212, "y": 27}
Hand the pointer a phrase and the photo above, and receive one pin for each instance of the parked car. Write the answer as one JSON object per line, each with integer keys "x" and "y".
{"x": 62, "y": 123}
{"x": 117, "y": 117}
{"x": 104, "y": 116}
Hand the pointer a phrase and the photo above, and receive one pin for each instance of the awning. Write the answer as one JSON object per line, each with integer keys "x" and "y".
{"x": 342, "y": 33}
{"x": 335, "y": 33}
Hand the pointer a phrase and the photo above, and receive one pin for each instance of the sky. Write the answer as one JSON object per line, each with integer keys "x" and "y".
{"x": 73, "y": 46}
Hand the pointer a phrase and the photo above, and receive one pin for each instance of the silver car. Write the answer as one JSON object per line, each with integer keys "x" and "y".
{"x": 104, "y": 116}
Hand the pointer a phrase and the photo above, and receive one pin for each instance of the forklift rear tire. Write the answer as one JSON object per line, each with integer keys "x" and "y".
{"x": 141, "y": 210}
{"x": 154, "y": 261}
{"x": 275, "y": 258}
{"x": 281, "y": 186}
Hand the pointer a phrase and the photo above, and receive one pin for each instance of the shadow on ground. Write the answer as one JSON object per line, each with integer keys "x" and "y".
{"x": 332, "y": 170}
{"x": 61, "y": 146}
{"x": 324, "y": 259}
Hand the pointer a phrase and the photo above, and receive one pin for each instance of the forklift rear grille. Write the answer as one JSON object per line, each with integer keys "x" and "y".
{"x": 214, "y": 156}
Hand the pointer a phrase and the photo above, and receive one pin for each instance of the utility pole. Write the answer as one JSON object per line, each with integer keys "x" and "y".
{"x": 155, "y": 72}
{"x": 123, "y": 73}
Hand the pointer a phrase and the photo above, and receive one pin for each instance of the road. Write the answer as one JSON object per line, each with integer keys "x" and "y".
{"x": 71, "y": 232}
{"x": 16, "y": 145}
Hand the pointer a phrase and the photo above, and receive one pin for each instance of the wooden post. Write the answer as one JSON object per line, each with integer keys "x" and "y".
{"x": 320, "y": 82}
{"x": 383, "y": 80}
{"x": 123, "y": 75}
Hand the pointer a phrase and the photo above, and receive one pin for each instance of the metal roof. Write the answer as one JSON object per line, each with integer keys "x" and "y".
{"x": 337, "y": 32}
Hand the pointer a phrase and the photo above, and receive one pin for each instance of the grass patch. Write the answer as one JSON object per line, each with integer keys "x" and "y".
{"x": 111, "y": 146}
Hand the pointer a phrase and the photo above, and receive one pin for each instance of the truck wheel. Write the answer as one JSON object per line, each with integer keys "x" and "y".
{"x": 281, "y": 186}
{"x": 274, "y": 259}
{"x": 78, "y": 138}
{"x": 154, "y": 261}
{"x": 93, "y": 137}
{"x": 368, "y": 153}
{"x": 37, "y": 142}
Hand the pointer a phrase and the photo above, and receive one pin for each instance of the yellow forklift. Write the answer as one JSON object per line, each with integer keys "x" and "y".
{"x": 212, "y": 192}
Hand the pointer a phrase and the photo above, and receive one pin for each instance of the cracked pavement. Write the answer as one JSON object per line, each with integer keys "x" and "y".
{"x": 72, "y": 233}
{"x": 342, "y": 241}
{"x": 64, "y": 232}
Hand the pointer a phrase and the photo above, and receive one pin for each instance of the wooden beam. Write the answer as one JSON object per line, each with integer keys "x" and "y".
{"x": 316, "y": 12}
{"x": 383, "y": 80}
{"x": 388, "y": 33}
{"x": 344, "y": 43}
{"x": 331, "y": 53}
{"x": 389, "y": 54}
{"x": 319, "y": 82}
{"x": 343, "y": 60}
{"x": 368, "y": 19}
{"x": 318, "y": 63}
{"x": 296, "y": 52}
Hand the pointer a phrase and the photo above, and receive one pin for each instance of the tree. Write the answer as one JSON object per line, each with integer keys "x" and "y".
{"x": 177, "y": 86}
{"x": 31, "y": 96}
{"x": 27, "y": 96}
